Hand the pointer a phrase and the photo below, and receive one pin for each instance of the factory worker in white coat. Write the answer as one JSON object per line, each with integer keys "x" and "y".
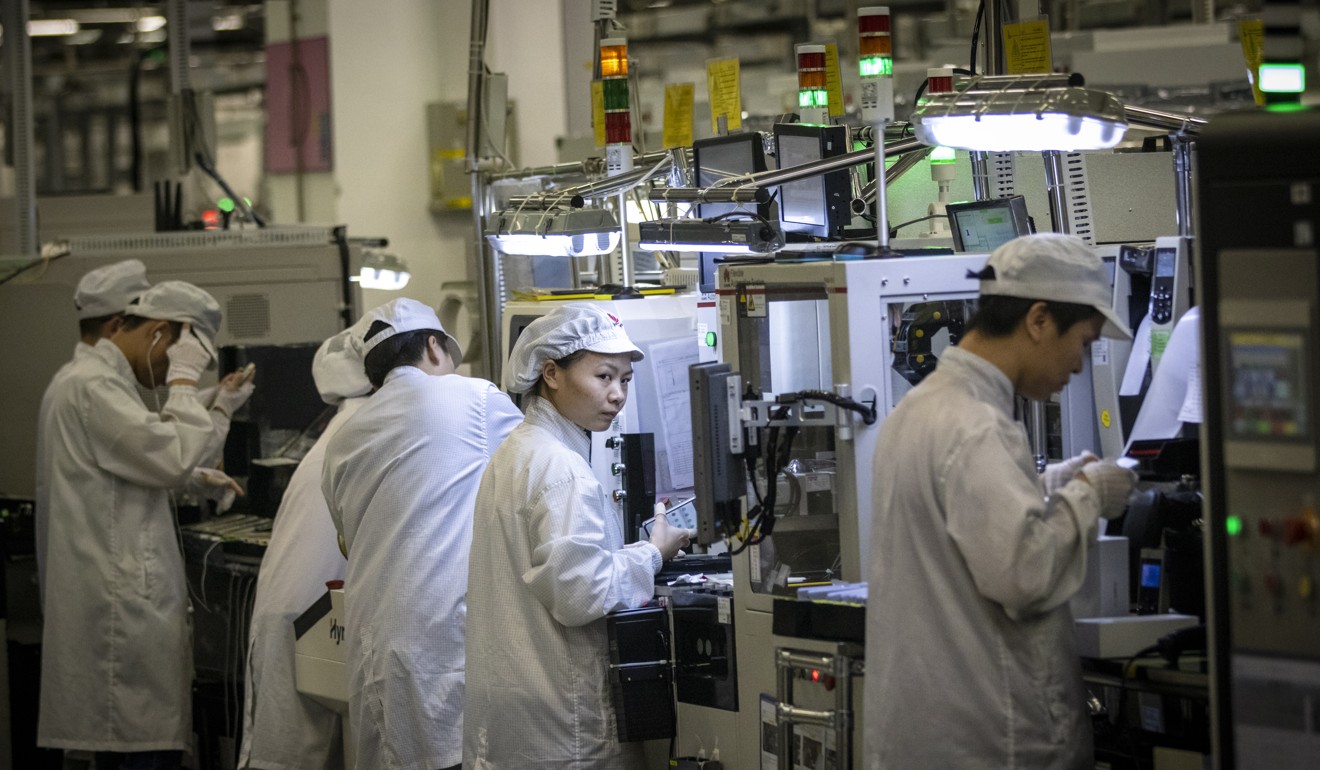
{"x": 548, "y": 560}
{"x": 283, "y": 729}
{"x": 100, "y": 301}
{"x": 400, "y": 478}
{"x": 970, "y": 655}
{"x": 116, "y": 668}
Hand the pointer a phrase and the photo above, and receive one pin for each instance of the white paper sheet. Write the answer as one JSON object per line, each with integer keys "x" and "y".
{"x": 1137, "y": 360}
{"x": 1160, "y": 415}
{"x": 669, "y": 362}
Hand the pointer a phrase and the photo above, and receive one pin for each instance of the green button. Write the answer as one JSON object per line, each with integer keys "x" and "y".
{"x": 710, "y": 339}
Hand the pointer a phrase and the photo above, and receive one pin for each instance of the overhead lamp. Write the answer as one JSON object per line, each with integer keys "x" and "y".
{"x": 382, "y": 271}
{"x": 1032, "y": 113}
{"x": 725, "y": 236}
{"x": 52, "y": 27}
{"x": 554, "y": 232}
{"x": 149, "y": 23}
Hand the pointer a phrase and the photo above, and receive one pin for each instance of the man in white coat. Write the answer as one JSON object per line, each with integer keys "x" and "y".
{"x": 100, "y": 299}
{"x": 400, "y": 478}
{"x": 282, "y": 729}
{"x": 970, "y": 655}
{"x": 116, "y": 669}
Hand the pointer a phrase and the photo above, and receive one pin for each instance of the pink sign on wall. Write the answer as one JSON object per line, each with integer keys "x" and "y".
{"x": 298, "y": 106}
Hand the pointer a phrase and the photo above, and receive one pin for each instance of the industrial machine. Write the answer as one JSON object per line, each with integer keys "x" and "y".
{"x": 318, "y": 658}
{"x": 1261, "y": 300}
{"x": 815, "y": 354}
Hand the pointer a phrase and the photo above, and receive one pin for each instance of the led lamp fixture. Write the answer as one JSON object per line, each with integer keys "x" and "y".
{"x": 875, "y": 60}
{"x": 813, "y": 92}
{"x": 1020, "y": 114}
{"x": 382, "y": 271}
{"x": 726, "y": 236}
{"x": 554, "y": 233}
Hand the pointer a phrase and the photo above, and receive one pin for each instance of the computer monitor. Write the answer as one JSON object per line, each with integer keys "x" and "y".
{"x": 816, "y": 207}
{"x": 716, "y": 159}
{"x": 983, "y": 226}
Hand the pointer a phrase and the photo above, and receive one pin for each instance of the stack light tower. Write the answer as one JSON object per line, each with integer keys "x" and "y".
{"x": 813, "y": 92}
{"x": 875, "y": 61}
{"x": 618, "y": 120}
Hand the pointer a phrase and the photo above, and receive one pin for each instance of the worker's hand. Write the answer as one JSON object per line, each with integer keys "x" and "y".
{"x": 188, "y": 359}
{"x": 1112, "y": 482}
{"x": 1060, "y": 473}
{"x": 234, "y": 390}
{"x": 214, "y": 485}
{"x": 668, "y": 539}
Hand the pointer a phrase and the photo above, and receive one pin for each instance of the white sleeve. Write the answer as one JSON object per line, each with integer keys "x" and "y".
{"x": 145, "y": 448}
{"x": 1024, "y": 552}
{"x": 573, "y": 572}
{"x": 501, "y": 418}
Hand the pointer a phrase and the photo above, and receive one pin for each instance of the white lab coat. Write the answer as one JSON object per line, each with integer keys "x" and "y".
{"x": 282, "y": 729}
{"x": 401, "y": 477}
{"x": 116, "y": 668}
{"x": 43, "y": 467}
{"x": 970, "y": 653}
{"x": 548, "y": 563}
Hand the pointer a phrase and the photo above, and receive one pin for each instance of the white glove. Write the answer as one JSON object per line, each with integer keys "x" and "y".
{"x": 214, "y": 485}
{"x": 668, "y": 539}
{"x": 234, "y": 391}
{"x": 1113, "y": 483}
{"x": 1060, "y": 473}
{"x": 188, "y": 359}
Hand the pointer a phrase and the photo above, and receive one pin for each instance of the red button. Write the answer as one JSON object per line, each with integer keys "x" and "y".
{"x": 333, "y": 584}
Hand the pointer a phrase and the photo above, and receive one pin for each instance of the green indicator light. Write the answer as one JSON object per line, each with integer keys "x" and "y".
{"x": 710, "y": 339}
{"x": 1282, "y": 78}
{"x": 248, "y": 201}
{"x": 872, "y": 66}
{"x": 225, "y": 204}
{"x": 814, "y": 98}
{"x": 1234, "y": 525}
{"x": 943, "y": 155}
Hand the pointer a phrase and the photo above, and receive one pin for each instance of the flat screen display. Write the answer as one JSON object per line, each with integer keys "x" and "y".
{"x": 983, "y": 226}
{"x": 715, "y": 160}
{"x": 1164, "y": 261}
{"x": 1269, "y": 397}
{"x": 1150, "y": 574}
{"x": 801, "y": 202}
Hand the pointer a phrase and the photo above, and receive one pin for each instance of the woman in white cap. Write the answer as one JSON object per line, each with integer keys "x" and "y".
{"x": 282, "y": 729}
{"x": 548, "y": 560}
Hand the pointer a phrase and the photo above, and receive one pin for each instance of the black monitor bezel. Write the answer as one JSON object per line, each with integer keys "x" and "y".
{"x": 836, "y": 186}
{"x": 706, "y": 261}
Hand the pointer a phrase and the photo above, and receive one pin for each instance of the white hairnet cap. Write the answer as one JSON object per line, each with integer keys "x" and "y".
{"x": 185, "y": 303}
{"x": 561, "y": 332}
{"x": 1055, "y": 267}
{"x": 406, "y": 315}
{"x": 337, "y": 366}
{"x": 109, "y": 290}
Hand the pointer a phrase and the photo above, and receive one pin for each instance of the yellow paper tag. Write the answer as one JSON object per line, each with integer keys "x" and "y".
{"x": 722, "y": 88}
{"x": 1251, "y": 33}
{"x": 1027, "y": 47}
{"x": 678, "y": 115}
{"x": 598, "y": 111}
{"x": 833, "y": 83}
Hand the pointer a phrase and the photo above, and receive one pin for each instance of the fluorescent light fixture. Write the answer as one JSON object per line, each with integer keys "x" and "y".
{"x": 1282, "y": 78}
{"x": 725, "y": 236}
{"x": 52, "y": 27}
{"x": 1017, "y": 115}
{"x": 227, "y": 23}
{"x": 382, "y": 271}
{"x": 150, "y": 23}
{"x": 554, "y": 232}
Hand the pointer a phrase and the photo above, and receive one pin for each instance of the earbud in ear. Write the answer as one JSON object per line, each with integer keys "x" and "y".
{"x": 156, "y": 338}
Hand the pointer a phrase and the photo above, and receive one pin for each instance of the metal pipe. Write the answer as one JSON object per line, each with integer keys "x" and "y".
{"x": 1184, "y": 164}
{"x": 993, "y": 39}
{"x": 176, "y": 17}
{"x": 483, "y": 262}
{"x": 576, "y": 195}
{"x": 18, "y": 67}
{"x": 881, "y": 199}
{"x": 625, "y": 251}
{"x": 1057, "y": 193}
{"x": 1159, "y": 120}
{"x": 591, "y": 166}
{"x": 785, "y": 692}
{"x": 904, "y": 164}
{"x": 752, "y": 188}
{"x": 804, "y": 716}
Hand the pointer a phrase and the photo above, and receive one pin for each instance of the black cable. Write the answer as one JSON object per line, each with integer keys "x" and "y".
{"x": 976, "y": 34}
{"x": 896, "y": 227}
{"x": 867, "y": 411}
{"x": 205, "y": 166}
